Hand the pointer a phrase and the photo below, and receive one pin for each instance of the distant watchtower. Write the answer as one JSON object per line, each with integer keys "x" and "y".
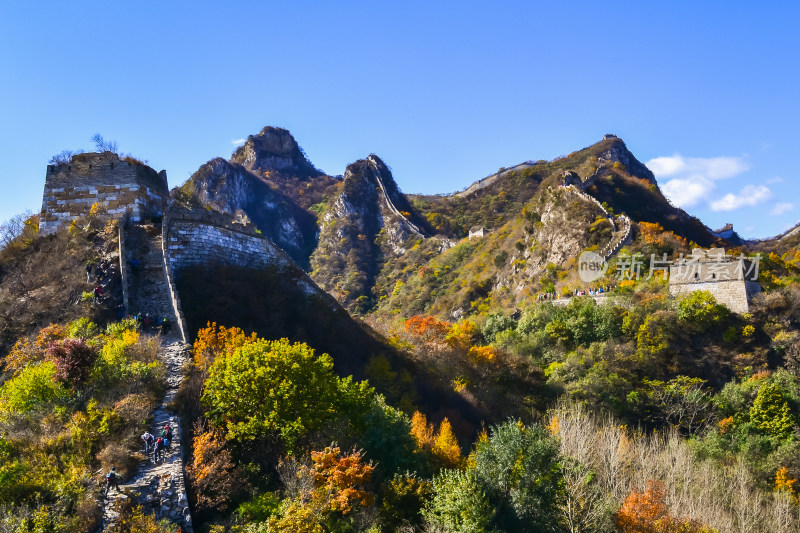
{"x": 119, "y": 186}
{"x": 732, "y": 281}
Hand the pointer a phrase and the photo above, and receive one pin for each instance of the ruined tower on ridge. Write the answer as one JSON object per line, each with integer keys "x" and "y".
{"x": 121, "y": 186}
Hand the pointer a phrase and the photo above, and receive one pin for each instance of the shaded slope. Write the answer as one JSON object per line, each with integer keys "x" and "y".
{"x": 275, "y": 304}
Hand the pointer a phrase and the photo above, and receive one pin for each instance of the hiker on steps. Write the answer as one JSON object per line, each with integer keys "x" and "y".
{"x": 112, "y": 479}
{"x": 166, "y": 434}
{"x": 158, "y": 452}
{"x": 149, "y": 442}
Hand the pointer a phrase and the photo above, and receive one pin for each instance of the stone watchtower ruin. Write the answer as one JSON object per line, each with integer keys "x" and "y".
{"x": 733, "y": 281}
{"x": 121, "y": 186}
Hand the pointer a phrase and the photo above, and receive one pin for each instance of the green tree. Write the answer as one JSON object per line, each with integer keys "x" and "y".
{"x": 274, "y": 386}
{"x": 770, "y": 412}
{"x": 459, "y": 503}
{"x": 34, "y": 386}
{"x": 519, "y": 468}
{"x": 701, "y": 310}
{"x": 656, "y": 334}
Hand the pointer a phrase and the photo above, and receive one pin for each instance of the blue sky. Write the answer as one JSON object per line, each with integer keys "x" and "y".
{"x": 445, "y": 93}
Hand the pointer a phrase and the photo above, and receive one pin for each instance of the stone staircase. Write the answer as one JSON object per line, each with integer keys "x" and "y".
{"x": 620, "y": 224}
{"x": 148, "y": 289}
{"x": 621, "y": 237}
{"x": 160, "y": 487}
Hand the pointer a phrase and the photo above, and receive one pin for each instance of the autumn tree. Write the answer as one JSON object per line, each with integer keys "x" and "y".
{"x": 275, "y": 387}
{"x": 646, "y": 512}
{"x": 427, "y": 328}
{"x": 340, "y": 479}
{"x": 442, "y": 445}
{"x": 216, "y": 479}
{"x": 324, "y": 495}
{"x": 213, "y": 341}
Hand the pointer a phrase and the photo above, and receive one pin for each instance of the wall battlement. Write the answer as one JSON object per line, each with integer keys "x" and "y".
{"x": 732, "y": 281}
{"x": 119, "y": 188}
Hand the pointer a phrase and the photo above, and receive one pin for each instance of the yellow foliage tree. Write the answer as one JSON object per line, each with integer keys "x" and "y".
{"x": 483, "y": 354}
{"x": 445, "y": 446}
{"x": 421, "y": 430}
{"x": 461, "y": 335}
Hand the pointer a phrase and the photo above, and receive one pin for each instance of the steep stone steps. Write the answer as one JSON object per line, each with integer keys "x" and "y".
{"x": 147, "y": 284}
{"x": 620, "y": 224}
{"x": 159, "y": 487}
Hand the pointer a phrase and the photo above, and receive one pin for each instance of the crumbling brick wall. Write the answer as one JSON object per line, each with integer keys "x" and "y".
{"x": 119, "y": 188}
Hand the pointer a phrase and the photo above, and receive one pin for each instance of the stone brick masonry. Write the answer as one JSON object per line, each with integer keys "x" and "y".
{"x": 732, "y": 281}
{"x": 194, "y": 242}
{"x": 118, "y": 187}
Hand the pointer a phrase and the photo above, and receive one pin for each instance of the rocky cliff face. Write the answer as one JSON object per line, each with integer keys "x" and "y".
{"x": 360, "y": 236}
{"x": 368, "y": 221}
{"x": 233, "y": 190}
{"x": 613, "y": 150}
{"x": 274, "y": 149}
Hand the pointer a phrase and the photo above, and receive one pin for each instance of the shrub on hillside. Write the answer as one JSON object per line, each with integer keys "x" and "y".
{"x": 73, "y": 359}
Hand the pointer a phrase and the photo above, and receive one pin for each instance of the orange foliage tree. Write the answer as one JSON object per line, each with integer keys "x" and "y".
{"x": 785, "y": 483}
{"x": 213, "y": 341}
{"x": 427, "y": 328}
{"x": 340, "y": 479}
{"x": 646, "y": 512}
{"x": 216, "y": 478}
{"x": 421, "y": 430}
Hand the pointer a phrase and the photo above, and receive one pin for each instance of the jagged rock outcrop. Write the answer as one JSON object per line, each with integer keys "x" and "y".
{"x": 615, "y": 151}
{"x": 274, "y": 149}
{"x": 369, "y": 220}
{"x": 233, "y": 190}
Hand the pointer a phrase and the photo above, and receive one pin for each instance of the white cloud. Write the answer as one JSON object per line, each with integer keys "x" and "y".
{"x": 691, "y": 179}
{"x": 776, "y": 179}
{"x": 749, "y": 195}
{"x": 237, "y": 142}
{"x": 687, "y": 192}
{"x": 713, "y": 168}
{"x": 781, "y": 208}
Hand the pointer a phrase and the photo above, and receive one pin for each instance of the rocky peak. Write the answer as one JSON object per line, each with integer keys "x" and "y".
{"x": 274, "y": 149}
{"x": 614, "y": 150}
{"x": 233, "y": 190}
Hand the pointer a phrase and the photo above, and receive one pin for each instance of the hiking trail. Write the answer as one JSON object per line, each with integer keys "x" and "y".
{"x": 159, "y": 487}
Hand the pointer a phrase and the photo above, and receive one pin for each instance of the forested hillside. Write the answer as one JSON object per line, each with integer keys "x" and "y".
{"x": 446, "y": 382}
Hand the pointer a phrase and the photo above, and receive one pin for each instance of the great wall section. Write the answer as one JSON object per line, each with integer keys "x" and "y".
{"x": 157, "y": 241}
